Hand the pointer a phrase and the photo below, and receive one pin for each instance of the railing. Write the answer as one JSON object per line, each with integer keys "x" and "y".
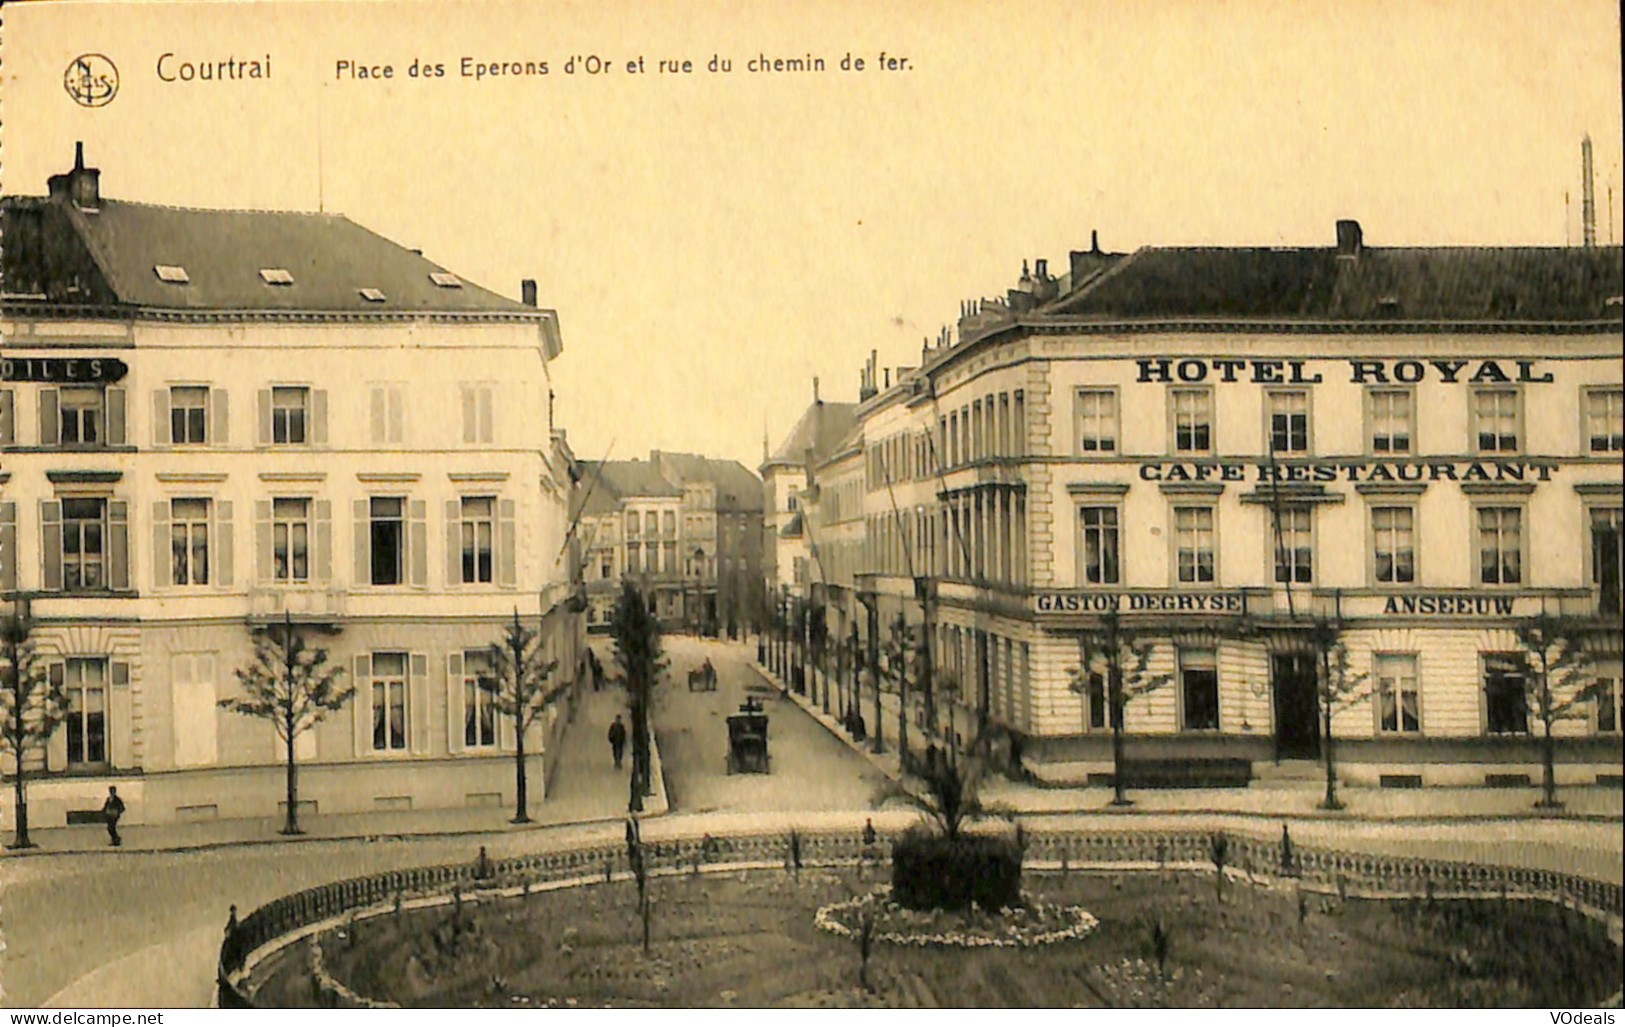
{"x": 1349, "y": 873}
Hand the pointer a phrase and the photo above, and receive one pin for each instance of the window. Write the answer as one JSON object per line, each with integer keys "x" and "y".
{"x": 1199, "y": 689}
{"x": 671, "y": 557}
{"x": 290, "y": 407}
{"x": 372, "y": 295}
{"x": 1094, "y": 700}
{"x": 1606, "y": 699}
{"x": 1393, "y": 532}
{"x": 1495, "y": 420}
{"x": 1500, "y": 551}
{"x": 276, "y": 276}
{"x": 82, "y": 416}
{"x": 85, "y": 681}
{"x": 188, "y": 415}
{"x": 1607, "y": 572}
{"x": 1098, "y": 548}
{"x": 445, "y": 280}
{"x": 189, "y": 541}
{"x": 84, "y": 545}
{"x": 651, "y": 525}
{"x": 1605, "y": 420}
{"x": 480, "y": 687}
{"x": 1097, "y": 421}
{"x": 387, "y": 533}
{"x": 1505, "y": 709}
{"x": 1294, "y": 546}
{"x": 669, "y": 525}
{"x": 477, "y": 412}
{"x": 388, "y": 702}
{"x": 606, "y": 564}
{"x": 290, "y": 540}
{"x": 1193, "y": 419}
{"x": 1193, "y": 532}
{"x": 387, "y": 412}
{"x": 1289, "y": 421}
{"x": 633, "y": 563}
{"x": 632, "y": 523}
{"x": 1399, "y": 698}
{"x": 1392, "y": 418}
{"x": 8, "y": 419}
{"x": 174, "y": 274}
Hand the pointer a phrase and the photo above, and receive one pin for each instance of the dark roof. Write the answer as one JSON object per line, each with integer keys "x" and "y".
{"x": 109, "y": 256}
{"x": 820, "y": 429}
{"x": 792, "y": 527}
{"x": 738, "y": 489}
{"x": 631, "y": 478}
{"x": 1456, "y": 284}
{"x": 597, "y": 492}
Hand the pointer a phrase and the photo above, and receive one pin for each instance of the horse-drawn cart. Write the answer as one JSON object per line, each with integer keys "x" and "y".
{"x": 747, "y": 740}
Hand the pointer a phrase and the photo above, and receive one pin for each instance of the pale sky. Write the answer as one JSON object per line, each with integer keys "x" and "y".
{"x": 713, "y": 241}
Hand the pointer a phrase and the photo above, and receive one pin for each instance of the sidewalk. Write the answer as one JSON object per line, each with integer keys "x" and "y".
{"x": 1438, "y": 804}
{"x": 585, "y": 787}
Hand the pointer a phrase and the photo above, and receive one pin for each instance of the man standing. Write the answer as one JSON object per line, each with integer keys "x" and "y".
{"x": 112, "y": 809}
{"x": 617, "y": 740}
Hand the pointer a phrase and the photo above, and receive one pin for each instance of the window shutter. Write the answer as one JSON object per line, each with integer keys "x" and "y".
{"x": 379, "y": 416}
{"x": 56, "y": 747}
{"x": 509, "y": 541}
{"x": 8, "y": 420}
{"x": 50, "y": 423}
{"x": 160, "y": 417}
{"x": 324, "y": 540}
{"x": 115, "y": 415}
{"x": 363, "y": 544}
{"x": 223, "y": 538}
{"x": 8, "y": 546}
{"x": 262, "y": 539}
{"x": 417, "y": 697}
{"x": 117, "y": 735}
{"x": 51, "y": 544}
{"x": 221, "y": 414}
{"x": 265, "y": 416}
{"x": 420, "y": 543}
{"x": 454, "y": 543}
{"x": 318, "y": 416}
{"x": 470, "y": 425}
{"x": 454, "y": 702}
{"x": 361, "y": 705}
{"x": 118, "y": 544}
{"x": 163, "y": 563}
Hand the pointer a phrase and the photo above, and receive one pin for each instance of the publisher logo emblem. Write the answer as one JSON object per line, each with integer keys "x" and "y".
{"x": 91, "y": 80}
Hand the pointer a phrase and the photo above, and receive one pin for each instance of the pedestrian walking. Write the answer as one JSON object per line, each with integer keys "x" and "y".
{"x": 617, "y": 740}
{"x": 112, "y": 809}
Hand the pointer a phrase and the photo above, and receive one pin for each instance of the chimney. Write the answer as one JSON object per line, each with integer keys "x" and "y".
{"x": 1588, "y": 196}
{"x": 1348, "y": 240}
{"x": 527, "y": 292}
{"x": 815, "y": 390}
{"x": 81, "y": 186}
{"x": 886, "y": 376}
{"x": 1041, "y": 269}
{"x": 1094, "y": 240}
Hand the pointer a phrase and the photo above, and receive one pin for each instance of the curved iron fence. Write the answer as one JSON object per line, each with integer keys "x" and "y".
{"x": 1351, "y": 873}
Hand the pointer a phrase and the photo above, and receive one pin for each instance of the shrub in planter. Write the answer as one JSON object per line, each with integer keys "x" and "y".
{"x": 935, "y": 871}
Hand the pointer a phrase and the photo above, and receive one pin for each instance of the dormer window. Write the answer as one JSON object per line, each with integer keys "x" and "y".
{"x": 276, "y": 276}
{"x": 372, "y": 295}
{"x": 445, "y": 279}
{"x": 174, "y": 274}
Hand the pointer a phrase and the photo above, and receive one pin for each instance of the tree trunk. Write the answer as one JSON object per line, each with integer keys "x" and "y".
{"x": 1330, "y": 801}
{"x": 21, "y": 839}
{"x": 291, "y": 826}
{"x": 1115, "y": 684}
{"x": 1547, "y": 759}
{"x": 902, "y": 708}
{"x": 521, "y": 787}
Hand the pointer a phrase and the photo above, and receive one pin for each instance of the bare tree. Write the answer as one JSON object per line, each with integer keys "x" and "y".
{"x": 522, "y": 690}
{"x": 1554, "y": 666}
{"x": 1122, "y": 659}
{"x": 32, "y": 706}
{"x": 290, "y": 684}
{"x": 1338, "y": 688}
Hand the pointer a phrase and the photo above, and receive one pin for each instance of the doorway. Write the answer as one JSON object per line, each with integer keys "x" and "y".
{"x": 1297, "y": 711}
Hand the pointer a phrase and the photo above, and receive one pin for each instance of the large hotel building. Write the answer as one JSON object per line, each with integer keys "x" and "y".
{"x": 211, "y": 420}
{"x": 1419, "y": 445}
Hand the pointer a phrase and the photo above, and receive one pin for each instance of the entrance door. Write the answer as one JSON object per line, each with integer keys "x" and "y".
{"x": 1297, "y": 714}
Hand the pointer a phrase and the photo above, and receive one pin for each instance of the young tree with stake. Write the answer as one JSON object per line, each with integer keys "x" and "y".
{"x": 521, "y": 692}
{"x": 1554, "y": 665}
{"x": 1339, "y": 688}
{"x": 32, "y": 706}
{"x": 1119, "y": 656}
{"x": 290, "y": 684}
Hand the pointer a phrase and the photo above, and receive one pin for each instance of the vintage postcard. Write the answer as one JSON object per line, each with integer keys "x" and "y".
{"x": 731, "y": 504}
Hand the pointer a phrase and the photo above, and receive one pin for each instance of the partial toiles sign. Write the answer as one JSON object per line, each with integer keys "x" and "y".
{"x": 91, "y": 79}
{"x": 92, "y": 370}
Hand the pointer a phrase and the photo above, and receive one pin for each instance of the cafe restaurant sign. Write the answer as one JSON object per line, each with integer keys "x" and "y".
{"x": 63, "y": 370}
{"x": 1149, "y": 601}
{"x": 1324, "y": 471}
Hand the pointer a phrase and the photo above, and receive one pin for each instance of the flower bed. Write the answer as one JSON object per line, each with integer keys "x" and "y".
{"x": 1025, "y": 926}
